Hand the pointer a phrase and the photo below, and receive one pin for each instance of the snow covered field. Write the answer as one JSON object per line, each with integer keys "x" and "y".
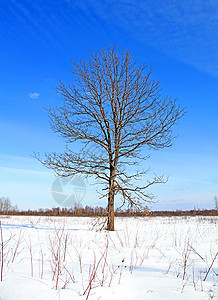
{"x": 145, "y": 258}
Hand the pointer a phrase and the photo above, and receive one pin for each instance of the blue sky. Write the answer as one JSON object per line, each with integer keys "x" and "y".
{"x": 180, "y": 40}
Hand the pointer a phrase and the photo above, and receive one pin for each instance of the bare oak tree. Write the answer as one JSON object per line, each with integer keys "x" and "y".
{"x": 112, "y": 110}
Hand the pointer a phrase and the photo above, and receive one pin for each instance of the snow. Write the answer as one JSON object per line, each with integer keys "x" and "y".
{"x": 145, "y": 258}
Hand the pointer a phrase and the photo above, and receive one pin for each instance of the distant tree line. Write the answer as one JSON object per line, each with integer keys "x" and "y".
{"x": 6, "y": 208}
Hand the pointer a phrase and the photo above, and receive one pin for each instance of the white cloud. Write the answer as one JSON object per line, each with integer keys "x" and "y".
{"x": 186, "y": 30}
{"x": 181, "y": 29}
{"x": 34, "y": 95}
{"x": 24, "y": 171}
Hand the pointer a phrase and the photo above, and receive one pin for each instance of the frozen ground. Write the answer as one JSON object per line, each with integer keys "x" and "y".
{"x": 145, "y": 258}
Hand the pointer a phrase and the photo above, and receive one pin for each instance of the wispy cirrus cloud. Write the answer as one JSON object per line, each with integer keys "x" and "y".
{"x": 23, "y": 171}
{"x": 34, "y": 95}
{"x": 185, "y": 30}
{"x": 180, "y": 189}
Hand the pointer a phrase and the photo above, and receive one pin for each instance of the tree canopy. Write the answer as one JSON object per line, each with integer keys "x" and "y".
{"x": 115, "y": 110}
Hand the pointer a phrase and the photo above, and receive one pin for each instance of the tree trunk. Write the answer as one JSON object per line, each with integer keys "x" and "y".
{"x": 110, "y": 207}
{"x": 110, "y": 220}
